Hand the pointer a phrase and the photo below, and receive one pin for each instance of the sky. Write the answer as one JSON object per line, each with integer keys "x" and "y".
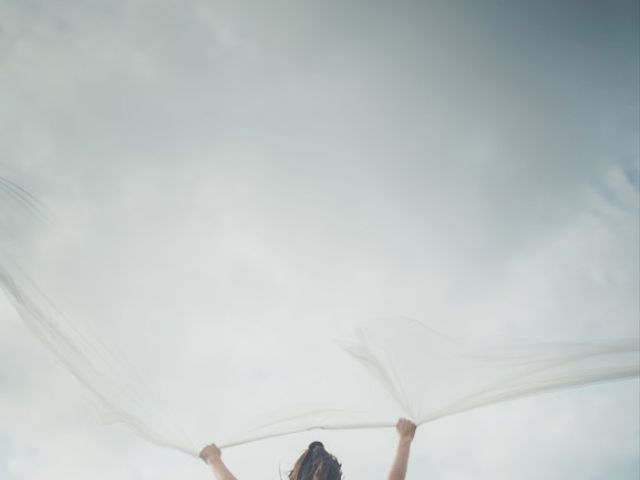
{"x": 227, "y": 184}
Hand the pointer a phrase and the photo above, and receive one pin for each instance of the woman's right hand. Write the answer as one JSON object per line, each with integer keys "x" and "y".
{"x": 406, "y": 429}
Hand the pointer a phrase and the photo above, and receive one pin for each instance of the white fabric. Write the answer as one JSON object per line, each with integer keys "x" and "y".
{"x": 398, "y": 366}
{"x": 426, "y": 374}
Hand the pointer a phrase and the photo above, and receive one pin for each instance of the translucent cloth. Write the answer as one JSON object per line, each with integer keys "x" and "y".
{"x": 398, "y": 367}
{"x": 424, "y": 373}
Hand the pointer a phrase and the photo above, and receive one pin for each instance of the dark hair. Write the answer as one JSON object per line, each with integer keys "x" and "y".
{"x": 316, "y": 464}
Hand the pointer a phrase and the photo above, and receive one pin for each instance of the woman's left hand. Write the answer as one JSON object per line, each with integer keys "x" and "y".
{"x": 210, "y": 453}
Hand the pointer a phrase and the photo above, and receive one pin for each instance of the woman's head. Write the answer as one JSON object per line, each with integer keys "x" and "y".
{"x": 316, "y": 464}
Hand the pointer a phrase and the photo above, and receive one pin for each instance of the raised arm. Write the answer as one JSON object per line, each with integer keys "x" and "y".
{"x": 211, "y": 455}
{"x": 406, "y": 430}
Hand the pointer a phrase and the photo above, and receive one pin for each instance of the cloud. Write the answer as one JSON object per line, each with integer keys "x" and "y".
{"x": 249, "y": 172}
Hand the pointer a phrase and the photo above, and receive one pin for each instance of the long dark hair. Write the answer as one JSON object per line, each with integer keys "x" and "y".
{"x": 316, "y": 464}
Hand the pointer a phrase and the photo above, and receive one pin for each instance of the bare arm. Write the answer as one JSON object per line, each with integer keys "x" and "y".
{"x": 211, "y": 455}
{"x": 406, "y": 430}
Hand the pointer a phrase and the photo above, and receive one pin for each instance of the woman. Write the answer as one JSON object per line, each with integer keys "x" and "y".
{"x": 318, "y": 464}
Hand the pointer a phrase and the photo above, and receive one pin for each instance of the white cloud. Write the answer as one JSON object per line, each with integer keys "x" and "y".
{"x": 252, "y": 171}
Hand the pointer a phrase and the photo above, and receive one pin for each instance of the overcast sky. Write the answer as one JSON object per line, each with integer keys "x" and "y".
{"x": 225, "y": 178}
